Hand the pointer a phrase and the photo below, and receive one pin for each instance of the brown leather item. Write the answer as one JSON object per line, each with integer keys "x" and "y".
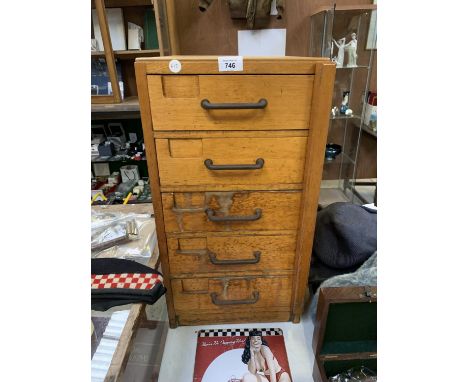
{"x": 248, "y": 9}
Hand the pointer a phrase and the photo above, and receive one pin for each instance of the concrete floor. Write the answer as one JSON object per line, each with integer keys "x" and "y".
{"x": 331, "y": 192}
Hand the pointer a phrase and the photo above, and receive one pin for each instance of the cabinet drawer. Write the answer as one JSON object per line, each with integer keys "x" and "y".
{"x": 176, "y": 102}
{"x": 231, "y": 294}
{"x": 210, "y": 161}
{"x": 231, "y": 211}
{"x": 233, "y": 253}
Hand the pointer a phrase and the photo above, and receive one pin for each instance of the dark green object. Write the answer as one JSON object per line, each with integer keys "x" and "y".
{"x": 351, "y": 328}
{"x": 149, "y": 29}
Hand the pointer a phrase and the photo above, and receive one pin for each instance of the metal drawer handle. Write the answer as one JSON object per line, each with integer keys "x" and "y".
{"x": 253, "y": 300}
{"x": 207, "y": 105}
{"x": 211, "y": 216}
{"x": 258, "y": 165}
{"x": 215, "y": 261}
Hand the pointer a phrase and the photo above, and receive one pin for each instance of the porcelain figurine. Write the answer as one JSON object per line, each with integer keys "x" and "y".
{"x": 344, "y": 103}
{"x": 351, "y": 48}
{"x": 341, "y": 51}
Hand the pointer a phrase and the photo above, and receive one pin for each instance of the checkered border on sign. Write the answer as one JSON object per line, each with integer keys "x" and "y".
{"x": 142, "y": 281}
{"x": 238, "y": 332}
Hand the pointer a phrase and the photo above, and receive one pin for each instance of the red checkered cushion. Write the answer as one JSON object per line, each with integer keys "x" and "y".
{"x": 125, "y": 281}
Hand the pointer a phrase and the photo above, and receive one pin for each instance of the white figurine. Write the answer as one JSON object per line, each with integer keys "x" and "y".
{"x": 344, "y": 103}
{"x": 352, "y": 51}
{"x": 334, "y": 111}
{"x": 341, "y": 48}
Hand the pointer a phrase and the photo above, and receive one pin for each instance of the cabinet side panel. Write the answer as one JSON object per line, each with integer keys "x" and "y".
{"x": 142, "y": 86}
{"x": 318, "y": 131}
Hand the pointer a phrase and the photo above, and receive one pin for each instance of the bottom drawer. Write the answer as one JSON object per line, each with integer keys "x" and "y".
{"x": 192, "y": 318}
{"x": 232, "y": 294}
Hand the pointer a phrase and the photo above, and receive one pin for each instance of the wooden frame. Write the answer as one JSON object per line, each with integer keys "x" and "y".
{"x": 172, "y": 27}
{"x": 110, "y": 59}
{"x": 145, "y": 111}
{"x": 321, "y": 105}
{"x": 324, "y": 71}
{"x": 337, "y": 295}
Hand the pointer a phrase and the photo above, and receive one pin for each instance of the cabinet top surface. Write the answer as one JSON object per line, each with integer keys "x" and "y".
{"x": 250, "y": 65}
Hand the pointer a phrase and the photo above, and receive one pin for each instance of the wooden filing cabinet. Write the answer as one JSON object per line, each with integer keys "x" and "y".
{"x": 235, "y": 162}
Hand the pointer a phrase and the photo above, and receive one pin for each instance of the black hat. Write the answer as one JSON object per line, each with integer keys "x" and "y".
{"x": 345, "y": 235}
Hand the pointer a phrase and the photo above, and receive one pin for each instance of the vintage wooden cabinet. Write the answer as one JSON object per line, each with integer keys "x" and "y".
{"x": 235, "y": 161}
{"x": 345, "y": 332}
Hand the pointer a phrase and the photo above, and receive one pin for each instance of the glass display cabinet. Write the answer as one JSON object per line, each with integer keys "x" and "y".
{"x": 347, "y": 35}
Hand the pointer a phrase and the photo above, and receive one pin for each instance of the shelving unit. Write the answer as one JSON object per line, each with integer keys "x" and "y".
{"x": 115, "y": 108}
{"x": 130, "y": 123}
{"x": 129, "y": 108}
{"x": 113, "y": 159}
{"x": 133, "y": 11}
{"x": 130, "y": 54}
{"x": 328, "y": 23}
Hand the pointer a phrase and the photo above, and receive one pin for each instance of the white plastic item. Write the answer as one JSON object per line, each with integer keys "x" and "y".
{"x": 116, "y": 28}
{"x": 129, "y": 172}
{"x": 369, "y": 110}
{"x": 139, "y": 250}
{"x": 135, "y": 36}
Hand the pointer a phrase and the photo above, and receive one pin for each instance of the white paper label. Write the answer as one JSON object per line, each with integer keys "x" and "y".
{"x": 175, "y": 66}
{"x": 230, "y": 64}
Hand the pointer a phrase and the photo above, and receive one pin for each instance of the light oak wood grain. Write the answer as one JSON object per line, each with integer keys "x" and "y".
{"x": 181, "y": 161}
{"x": 233, "y": 187}
{"x": 251, "y": 65}
{"x": 142, "y": 85}
{"x": 320, "y": 112}
{"x": 192, "y": 255}
{"x": 298, "y": 91}
{"x": 185, "y": 212}
{"x": 194, "y": 295}
{"x": 123, "y": 347}
{"x": 288, "y": 99}
{"x": 195, "y": 318}
{"x": 227, "y": 233}
{"x": 190, "y": 134}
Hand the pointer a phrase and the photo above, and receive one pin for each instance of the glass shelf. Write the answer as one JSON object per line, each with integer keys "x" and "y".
{"x": 341, "y": 116}
{"x": 354, "y": 67}
{"x": 328, "y": 25}
{"x": 340, "y": 158}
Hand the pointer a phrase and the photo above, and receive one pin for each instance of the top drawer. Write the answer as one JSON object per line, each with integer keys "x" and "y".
{"x": 176, "y": 102}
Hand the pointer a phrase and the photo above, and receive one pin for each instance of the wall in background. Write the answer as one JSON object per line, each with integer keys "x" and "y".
{"x": 214, "y": 33}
